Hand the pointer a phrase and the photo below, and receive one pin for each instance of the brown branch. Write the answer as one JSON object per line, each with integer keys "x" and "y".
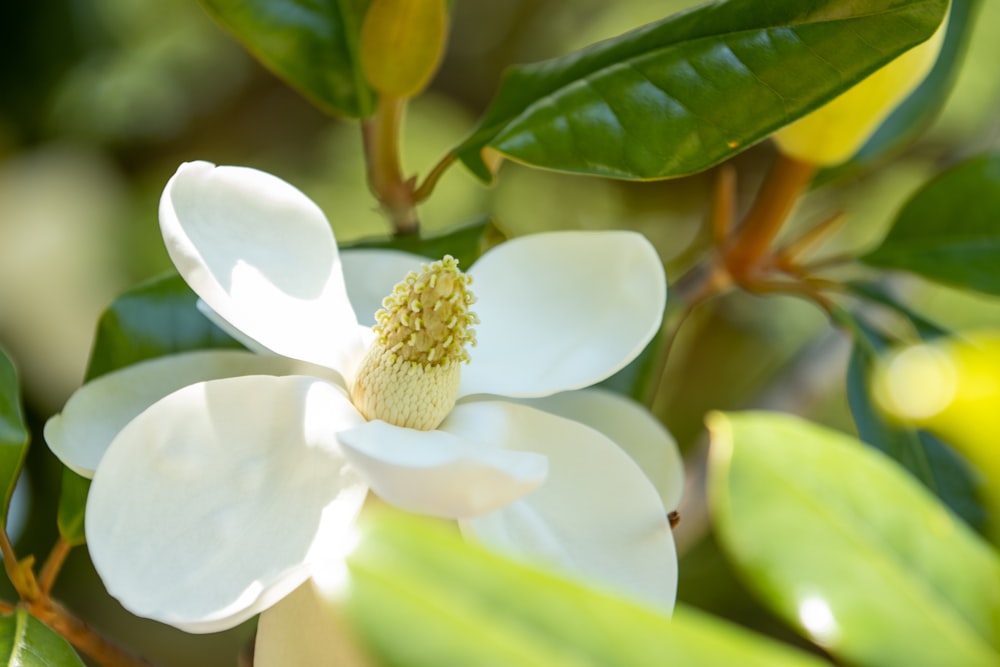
{"x": 783, "y": 186}
{"x": 82, "y": 636}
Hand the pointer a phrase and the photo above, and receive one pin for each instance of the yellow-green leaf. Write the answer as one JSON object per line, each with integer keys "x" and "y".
{"x": 849, "y": 549}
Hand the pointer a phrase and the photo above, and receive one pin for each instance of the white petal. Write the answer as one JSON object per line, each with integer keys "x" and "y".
{"x": 632, "y": 427}
{"x": 96, "y": 412}
{"x": 371, "y": 275}
{"x": 212, "y": 504}
{"x": 443, "y": 474}
{"x": 262, "y": 256}
{"x": 303, "y": 630}
{"x": 231, "y": 331}
{"x": 597, "y": 516}
{"x": 562, "y": 311}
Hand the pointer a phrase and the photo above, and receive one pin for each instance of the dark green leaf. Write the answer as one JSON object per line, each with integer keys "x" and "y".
{"x": 72, "y": 505}
{"x": 27, "y": 642}
{"x": 680, "y": 95}
{"x": 923, "y": 105}
{"x": 848, "y": 549}
{"x": 465, "y": 243}
{"x": 156, "y": 318}
{"x": 948, "y": 231}
{"x": 928, "y": 459}
{"x": 311, "y": 44}
{"x": 13, "y": 432}
{"x": 422, "y": 598}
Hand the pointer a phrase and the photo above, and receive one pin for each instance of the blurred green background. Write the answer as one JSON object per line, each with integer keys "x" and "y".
{"x": 100, "y": 100}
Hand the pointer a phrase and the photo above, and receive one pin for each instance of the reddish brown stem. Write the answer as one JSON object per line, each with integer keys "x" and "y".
{"x": 53, "y": 564}
{"x": 723, "y": 204}
{"x": 791, "y": 253}
{"x": 785, "y": 183}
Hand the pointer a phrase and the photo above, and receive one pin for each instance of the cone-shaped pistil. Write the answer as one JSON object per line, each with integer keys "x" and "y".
{"x": 410, "y": 374}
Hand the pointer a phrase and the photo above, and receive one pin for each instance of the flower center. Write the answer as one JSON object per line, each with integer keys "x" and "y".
{"x": 410, "y": 374}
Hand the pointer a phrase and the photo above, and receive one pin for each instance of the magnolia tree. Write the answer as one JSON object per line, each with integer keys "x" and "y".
{"x": 450, "y": 448}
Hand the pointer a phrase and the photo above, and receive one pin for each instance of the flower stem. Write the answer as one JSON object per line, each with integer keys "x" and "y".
{"x": 427, "y": 187}
{"x": 53, "y": 564}
{"x": 19, "y": 572}
{"x": 782, "y": 188}
{"x": 35, "y": 598}
{"x": 381, "y": 135}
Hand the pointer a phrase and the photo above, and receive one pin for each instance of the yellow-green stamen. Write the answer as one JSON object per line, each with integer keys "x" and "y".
{"x": 410, "y": 374}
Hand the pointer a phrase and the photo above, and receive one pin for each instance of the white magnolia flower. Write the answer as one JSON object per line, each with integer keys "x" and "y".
{"x": 222, "y": 480}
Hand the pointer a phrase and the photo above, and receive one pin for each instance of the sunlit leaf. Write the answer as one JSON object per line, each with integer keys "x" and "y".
{"x": 156, "y": 318}
{"x": 923, "y": 105}
{"x": 680, "y": 95}
{"x": 422, "y": 598}
{"x": 952, "y": 387}
{"x": 948, "y": 231}
{"x": 311, "y": 44}
{"x": 850, "y": 550}
{"x": 27, "y": 642}
{"x": 13, "y": 432}
{"x": 928, "y": 459}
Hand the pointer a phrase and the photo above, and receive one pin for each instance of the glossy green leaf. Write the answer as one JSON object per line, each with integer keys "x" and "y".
{"x": 154, "y": 319}
{"x": 948, "y": 231}
{"x": 680, "y": 95}
{"x": 924, "y": 104}
{"x": 928, "y": 459}
{"x": 421, "y": 597}
{"x": 27, "y": 642}
{"x": 465, "y": 243}
{"x": 311, "y": 44}
{"x": 13, "y": 432}
{"x": 850, "y": 550}
{"x": 72, "y": 507}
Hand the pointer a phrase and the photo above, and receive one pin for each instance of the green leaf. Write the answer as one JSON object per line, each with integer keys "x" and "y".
{"x": 678, "y": 96}
{"x": 27, "y": 642}
{"x": 421, "y": 597}
{"x": 948, "y": 232}
{"x": 924, "y": 104}
{"x": 928, "y": 459}
{"x": 13, "y": 432}
{"x": 311, "y": 44}
{"x": 72, "y": 507}
{"x": 465, "y": 243}
{"x": 848, "y": 549}
{"x": 153, "y": 319}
